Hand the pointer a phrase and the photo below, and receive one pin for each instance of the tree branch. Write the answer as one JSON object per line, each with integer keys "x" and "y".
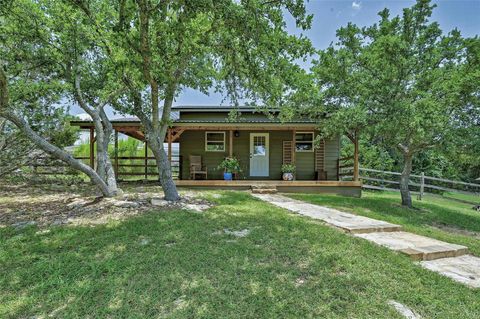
{"x": 79, "y": 97}
{"x": 4, "y": 97}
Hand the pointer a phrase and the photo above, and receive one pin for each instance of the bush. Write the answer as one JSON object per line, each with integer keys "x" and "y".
{"x": 230, "y": 165}
{"x": 288, "y": 168}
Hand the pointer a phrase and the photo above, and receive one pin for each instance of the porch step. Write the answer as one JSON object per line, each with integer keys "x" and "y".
{"x": 263, "y": 189}
{"x": 416, "y": 246}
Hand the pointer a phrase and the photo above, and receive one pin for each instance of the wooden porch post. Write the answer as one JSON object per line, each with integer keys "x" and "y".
{"x": 169, "y": 139}
{"x": 356, "y": 168}
{"x": 92, "y": 148}
{"x": 294, "y": 146}
{"x": 230, "y": 144}
{"x": 116, "y": 154}
{"x": 146, "y": 160}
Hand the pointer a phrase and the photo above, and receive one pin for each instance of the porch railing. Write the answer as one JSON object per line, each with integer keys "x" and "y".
{"x": 144, "y": 166}
{"x": 344, "y": 167}
{"x": 126, "y": 167}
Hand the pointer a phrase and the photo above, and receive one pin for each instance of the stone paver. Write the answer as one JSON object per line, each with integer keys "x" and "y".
{"x": 416, "y": 246}
{"x": 445, "y": 258}
{"x": 348, "y": 222}
{"x": 464, "y": 269}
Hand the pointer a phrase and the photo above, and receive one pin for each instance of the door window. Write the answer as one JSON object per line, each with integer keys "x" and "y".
{"x": 259, "y": 146}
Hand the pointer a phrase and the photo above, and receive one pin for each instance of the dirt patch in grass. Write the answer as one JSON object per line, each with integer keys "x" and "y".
{"x": 455, "y": 230}
{"x": 24, "y": 204}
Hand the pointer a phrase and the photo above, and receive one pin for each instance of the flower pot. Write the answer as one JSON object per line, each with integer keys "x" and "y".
{"x": 227, "y": 176}
{"x": 287, "y": 176}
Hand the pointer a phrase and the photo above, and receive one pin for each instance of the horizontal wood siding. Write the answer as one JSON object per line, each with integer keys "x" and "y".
{"x": 276, "y": 152}
{"x": 193, "y": 143}
{"x": 332, "y": 153}
{"x": 305, "y": 162}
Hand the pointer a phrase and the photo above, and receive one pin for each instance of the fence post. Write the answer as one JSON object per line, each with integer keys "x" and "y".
{"x": 355, "y": 159}
{"x": 422, "y": 185}
{"x": 116, "y": 155}
{"x": 146, "y": 160}
{"x": 92, "y": 148}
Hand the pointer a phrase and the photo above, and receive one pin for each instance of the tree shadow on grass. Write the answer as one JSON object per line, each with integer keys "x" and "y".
{"x": 427, "y": 214}
{"x": 182, "y": 264}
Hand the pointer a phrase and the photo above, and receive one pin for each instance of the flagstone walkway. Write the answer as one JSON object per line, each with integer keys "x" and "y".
{"x": 447, "y": 259}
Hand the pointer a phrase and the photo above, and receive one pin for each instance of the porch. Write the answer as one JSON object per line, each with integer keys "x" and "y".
{"x": 262, "y": 148}
{"x": 346, "y": 188}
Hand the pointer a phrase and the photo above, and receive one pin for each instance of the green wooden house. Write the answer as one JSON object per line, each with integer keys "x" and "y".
{"x": 261, "y": 143}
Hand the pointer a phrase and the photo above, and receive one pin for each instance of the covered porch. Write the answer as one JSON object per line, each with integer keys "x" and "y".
{"x": 347, "y": 188}
{"x": 262, "y": 148}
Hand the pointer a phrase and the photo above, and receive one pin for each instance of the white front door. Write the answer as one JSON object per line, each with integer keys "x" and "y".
{"x": 259, "y": 154}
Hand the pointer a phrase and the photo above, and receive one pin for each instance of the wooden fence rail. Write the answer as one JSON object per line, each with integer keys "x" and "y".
{"x": 124, "y": 166}
{"x": 388, "y": 180}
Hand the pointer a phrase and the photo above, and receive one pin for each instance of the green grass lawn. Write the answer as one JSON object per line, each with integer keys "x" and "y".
{"x": 468, "y": 198}
{"x": 437, "y": 217}
{"x": 181, "y": 264}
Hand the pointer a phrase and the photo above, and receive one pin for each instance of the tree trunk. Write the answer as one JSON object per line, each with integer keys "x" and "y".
{"x": 110, "y": 177}
{"x": 43, "y": 144}
{"x": 103, "y": 129}
{"x": 3, "y": 138}
{"x": 155, "y": 139}
{"x": 104, "y": 164}
{"x": 164, "y": 169}
{"x": 155, "y": 128}
{"x": 405, "y": 179}
{"x": 56, "y": 152}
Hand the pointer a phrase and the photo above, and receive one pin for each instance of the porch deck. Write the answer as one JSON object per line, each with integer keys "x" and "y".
{"x": 349, "y": 188}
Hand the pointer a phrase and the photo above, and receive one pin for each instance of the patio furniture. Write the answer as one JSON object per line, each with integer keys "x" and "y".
{"x": 196, "y": 167}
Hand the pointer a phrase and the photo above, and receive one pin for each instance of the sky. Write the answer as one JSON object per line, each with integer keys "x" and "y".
{"x": 329, "y": 15}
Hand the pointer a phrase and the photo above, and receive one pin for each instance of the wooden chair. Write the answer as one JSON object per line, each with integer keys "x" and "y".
{"x": 196, "y": 167}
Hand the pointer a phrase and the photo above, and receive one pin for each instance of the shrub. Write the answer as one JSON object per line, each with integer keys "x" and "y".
{"x": 288, "y": 168}
{"x": 230, "y": 165}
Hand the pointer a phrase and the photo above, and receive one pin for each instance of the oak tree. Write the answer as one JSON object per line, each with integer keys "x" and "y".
{"x": 403, "y": 82}
{"x": 47, "y": 60}
{"x": 160, "y": 48}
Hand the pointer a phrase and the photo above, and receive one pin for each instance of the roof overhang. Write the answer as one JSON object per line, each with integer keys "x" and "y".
{"x": 85, "y": 124}
{"x": 220, "y": 108}
{"x": 197, "y": 125}
{"x": 246, "y": 126}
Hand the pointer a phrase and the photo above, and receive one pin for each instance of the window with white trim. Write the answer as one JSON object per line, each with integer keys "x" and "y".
{"x": 215, "y": 141}
{"x": 304, "y": 142}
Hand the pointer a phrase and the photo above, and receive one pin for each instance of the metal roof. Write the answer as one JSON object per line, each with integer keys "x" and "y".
{"x": 217, "y": 108}
{"x": 125, "y": 119}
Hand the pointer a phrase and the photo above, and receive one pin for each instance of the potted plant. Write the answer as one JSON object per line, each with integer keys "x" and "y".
{"x": 230, "y": 165}
{"x": 288, "y": 171}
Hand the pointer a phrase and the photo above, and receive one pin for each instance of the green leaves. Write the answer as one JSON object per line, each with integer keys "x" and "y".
{"x": 401, "y": 79}
{"x": 401, "y": 82}
{"x": 239, "y": 48}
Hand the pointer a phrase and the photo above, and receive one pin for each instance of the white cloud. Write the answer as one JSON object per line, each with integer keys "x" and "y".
{"x": 356, "y": 5}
